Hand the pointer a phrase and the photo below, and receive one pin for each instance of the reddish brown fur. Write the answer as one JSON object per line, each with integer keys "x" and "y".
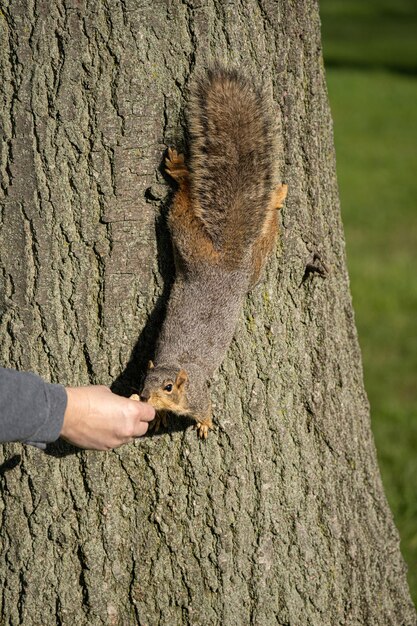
{"x": 264, "y": 244}
{"x": 183, "y": 220}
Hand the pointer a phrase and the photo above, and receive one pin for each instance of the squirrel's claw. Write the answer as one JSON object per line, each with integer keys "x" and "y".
{"x": 203, "y": 428}
{"x": 175, "y": 165}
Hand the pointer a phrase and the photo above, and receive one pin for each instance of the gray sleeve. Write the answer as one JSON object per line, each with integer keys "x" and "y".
{"x": 31, "y": 410}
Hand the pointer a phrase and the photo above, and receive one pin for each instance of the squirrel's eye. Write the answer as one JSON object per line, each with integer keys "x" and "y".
{"x": 168, "y": 387}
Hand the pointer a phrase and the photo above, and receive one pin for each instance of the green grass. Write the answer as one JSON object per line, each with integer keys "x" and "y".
{"x": 370, "y": 32}
{"x": 375, "y": 116}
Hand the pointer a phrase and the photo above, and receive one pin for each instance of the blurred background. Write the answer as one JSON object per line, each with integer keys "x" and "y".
{"x": 370, "y": 50}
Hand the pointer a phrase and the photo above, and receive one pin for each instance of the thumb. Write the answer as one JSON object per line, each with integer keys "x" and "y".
{"x": 145, "y": 412}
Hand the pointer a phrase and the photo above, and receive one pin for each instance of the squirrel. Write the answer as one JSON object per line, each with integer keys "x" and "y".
{"x": 223, "y": 223}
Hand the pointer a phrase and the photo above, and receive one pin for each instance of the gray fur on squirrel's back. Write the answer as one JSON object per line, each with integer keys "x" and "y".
{"x": 201, "y": 318}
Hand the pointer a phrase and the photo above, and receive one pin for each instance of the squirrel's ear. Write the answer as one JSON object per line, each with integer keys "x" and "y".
{"x": 181, "y": 379}
{"x": 150, "y": 365}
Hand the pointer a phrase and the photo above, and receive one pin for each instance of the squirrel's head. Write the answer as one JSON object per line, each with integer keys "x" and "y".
{"x": 165, "y": 388}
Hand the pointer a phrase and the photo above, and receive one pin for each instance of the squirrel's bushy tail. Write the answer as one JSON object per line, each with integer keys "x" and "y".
{"x": 232, "y": 160}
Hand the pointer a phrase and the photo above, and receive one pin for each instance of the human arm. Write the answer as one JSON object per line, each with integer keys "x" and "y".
{"x": 31, "y": 410}
{"x": 34, "y": 411}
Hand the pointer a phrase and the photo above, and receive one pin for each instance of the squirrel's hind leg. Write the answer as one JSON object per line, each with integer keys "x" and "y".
{"x": 264, "y": 245}
{"x": 279, "y": 196}
{"x": 175, "y": 166}
{"x": 188, "y": 232}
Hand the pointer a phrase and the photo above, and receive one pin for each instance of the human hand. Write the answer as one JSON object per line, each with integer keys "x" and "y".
{"x": 97, "y": 419}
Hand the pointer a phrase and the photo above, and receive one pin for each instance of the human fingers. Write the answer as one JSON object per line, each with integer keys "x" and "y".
{"x": 142, "y": 429}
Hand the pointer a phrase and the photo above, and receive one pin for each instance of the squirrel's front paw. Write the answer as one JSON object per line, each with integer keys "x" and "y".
{"x": 204, "y": 427}
{"x": 160, "y": 418}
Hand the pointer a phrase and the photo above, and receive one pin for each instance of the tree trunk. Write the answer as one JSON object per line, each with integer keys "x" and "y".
{"x": 280, "y": 516}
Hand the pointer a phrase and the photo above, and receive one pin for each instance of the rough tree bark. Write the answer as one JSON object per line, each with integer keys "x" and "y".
{"x": 280, "y": 517}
